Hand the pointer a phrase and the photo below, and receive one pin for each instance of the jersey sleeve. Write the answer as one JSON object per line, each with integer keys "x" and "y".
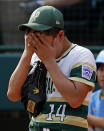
{"x": 83, "y": 67}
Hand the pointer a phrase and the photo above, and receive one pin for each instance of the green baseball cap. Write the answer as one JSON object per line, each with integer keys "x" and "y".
{"x": 44, "y": 18}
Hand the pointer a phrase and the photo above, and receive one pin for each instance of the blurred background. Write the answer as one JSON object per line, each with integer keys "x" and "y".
{"x": 84, "y": 25}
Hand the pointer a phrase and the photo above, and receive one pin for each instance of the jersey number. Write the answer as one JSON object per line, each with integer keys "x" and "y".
{"x": 58, "y": 114}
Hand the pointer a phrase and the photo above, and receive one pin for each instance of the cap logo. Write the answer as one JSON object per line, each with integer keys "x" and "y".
{"x": 35, "y": 15}
{"x": 57, "y": 22}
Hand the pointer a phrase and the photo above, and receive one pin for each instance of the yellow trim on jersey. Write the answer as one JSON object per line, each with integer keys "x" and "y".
{"x": 82, "y": 63}
{"x": 66, "y": 52}
{"x": 102, "y": 97}
{"x": 85, "y": 103}
{"x": 83, "y": 81}
{"x": 56, "y": 99}
{"x": 70, "y": 120}
{"x": 61, "y": 99}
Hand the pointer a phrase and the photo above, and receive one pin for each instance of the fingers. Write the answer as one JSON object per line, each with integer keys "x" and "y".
{"x": 41, "y": 38}
{"x": 38, "y": 40}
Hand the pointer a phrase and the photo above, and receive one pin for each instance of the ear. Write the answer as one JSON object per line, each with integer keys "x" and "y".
{"x": 61, "y": 35}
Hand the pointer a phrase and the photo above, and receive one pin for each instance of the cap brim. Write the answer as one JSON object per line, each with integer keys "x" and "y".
{"x": 98, "y": 62}
{"x": 34, "y": 26}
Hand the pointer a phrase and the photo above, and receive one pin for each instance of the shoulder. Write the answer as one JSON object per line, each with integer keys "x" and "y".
{"x": 83, "y": 50}
{"x": 82, "y": 55}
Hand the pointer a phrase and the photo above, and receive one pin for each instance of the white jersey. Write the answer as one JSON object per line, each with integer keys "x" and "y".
{"x": 77, "y": 64}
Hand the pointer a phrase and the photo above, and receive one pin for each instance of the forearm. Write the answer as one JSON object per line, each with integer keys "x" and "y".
{"x": 18, "y": 77}
{"x": 64, "y": 85}
{"x": 61, "y": 2}
{"x": 96, "y": 121}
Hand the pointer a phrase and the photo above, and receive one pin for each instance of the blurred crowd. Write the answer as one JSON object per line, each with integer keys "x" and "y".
{"x": 85, "y": 22}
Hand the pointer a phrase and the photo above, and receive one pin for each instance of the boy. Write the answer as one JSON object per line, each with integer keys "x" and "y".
{"x": 70, "y": 77}
{"x": 96, "y": 106}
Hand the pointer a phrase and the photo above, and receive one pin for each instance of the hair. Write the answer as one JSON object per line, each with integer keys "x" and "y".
{"x": 98, "y": 65}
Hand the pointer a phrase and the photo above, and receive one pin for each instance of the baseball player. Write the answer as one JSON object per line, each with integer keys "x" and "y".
{"x": 70, "y": 76}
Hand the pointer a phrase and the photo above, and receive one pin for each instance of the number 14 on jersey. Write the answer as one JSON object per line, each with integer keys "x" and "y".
{"x": 59, "y": 113}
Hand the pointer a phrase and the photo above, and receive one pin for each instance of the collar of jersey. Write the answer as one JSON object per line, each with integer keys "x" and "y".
{"x": 66, "y": 52}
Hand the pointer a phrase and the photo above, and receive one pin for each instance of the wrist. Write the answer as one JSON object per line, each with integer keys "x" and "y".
{"x": 28, "y": 53}
{"x": 50, "y": 63}
{"x": 27, "y": 56}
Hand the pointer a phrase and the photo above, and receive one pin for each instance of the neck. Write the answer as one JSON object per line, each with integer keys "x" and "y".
{"x": 66, "y": 44}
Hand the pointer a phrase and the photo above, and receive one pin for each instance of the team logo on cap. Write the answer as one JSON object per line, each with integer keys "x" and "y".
{"x": 35, "y": 15}
{"x": 57, "y": 22}
{"x": 87, "y": 72}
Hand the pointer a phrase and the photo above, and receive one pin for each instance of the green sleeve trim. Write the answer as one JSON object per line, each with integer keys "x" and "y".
{"x": 76, "y": 74}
